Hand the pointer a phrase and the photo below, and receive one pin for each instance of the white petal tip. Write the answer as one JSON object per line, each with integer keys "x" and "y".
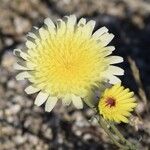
{"x": 16, "y": 66}
{"x": 41, "y": 98}
{"x": 31, "y": 90}
{"x": 50, "y": 103}
{"x": 49, "y": 23}
{"x": 23, "y": 76}
{"x": 77, "y": 101}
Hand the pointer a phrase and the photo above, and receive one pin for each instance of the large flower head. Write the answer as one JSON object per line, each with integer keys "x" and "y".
{"x": 64, "y": 61}
{"x": 117, "y": 103}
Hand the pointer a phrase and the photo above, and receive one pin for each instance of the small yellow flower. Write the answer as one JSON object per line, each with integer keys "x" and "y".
{"x": 64, "y": 61}
{"x": 117, "y": 103}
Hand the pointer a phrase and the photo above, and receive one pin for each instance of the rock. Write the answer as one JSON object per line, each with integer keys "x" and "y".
{"x": 21, "y": 25}
{"x": 8, "y": 61}
{"x": 19, "y": 139}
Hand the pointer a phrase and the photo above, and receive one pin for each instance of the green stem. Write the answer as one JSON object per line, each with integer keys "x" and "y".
{"x": 104, "y": 126}
{"x": 117, "y": 132}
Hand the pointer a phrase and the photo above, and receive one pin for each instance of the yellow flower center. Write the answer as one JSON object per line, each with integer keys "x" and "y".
{"x": 69, "y": 66}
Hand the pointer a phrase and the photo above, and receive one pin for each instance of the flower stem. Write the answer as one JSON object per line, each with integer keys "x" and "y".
{"x": 104, "y": 126}
{"x": 125, "y": 145}
{"x": 117, "y": 132}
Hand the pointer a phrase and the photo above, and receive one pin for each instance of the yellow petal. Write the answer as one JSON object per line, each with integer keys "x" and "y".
{"x": 66, "y": 100}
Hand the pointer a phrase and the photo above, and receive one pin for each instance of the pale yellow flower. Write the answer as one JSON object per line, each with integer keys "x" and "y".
{"x": 117, "y": 103}
{"x": 64, "y": 61}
